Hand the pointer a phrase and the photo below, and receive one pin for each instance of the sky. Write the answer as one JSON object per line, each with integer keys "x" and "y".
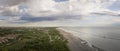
{"x": 43, "y": 13}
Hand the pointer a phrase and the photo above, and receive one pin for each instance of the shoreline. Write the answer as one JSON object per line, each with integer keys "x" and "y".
{"x": 77, "y": 44}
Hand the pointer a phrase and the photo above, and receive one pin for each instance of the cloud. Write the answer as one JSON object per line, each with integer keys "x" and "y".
{"x": 38, "y": 19}
{"x": 70, "y": 6}
{"x": 10, "y": 2}
{"x": 10, "y": 7}
{"x": 51, "y": 7}
{"x": 57, "y": 12}
{"x": 9, "y": 13}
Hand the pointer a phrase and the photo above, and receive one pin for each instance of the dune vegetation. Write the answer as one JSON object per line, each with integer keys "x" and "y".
{"x": 31, "y": 39}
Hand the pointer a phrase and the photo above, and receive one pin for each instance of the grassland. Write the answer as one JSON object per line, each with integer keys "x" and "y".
{"x": 31, "y": 39}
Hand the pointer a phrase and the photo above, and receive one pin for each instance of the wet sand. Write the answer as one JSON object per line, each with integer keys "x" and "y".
{"x": 75, "y": 43}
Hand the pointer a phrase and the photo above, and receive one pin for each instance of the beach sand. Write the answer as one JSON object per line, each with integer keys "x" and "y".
{"x": 75, "y": 43}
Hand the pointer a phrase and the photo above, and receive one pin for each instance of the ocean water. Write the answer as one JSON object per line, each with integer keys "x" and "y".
{"x": 106, "y": 38}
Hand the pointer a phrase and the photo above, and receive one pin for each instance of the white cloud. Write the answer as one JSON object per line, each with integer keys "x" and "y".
{"x": 50, "y": 8}
{"x": 37, "y": 7}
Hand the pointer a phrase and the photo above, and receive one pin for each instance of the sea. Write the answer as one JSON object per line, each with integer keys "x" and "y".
{"x": 106, "y": 38}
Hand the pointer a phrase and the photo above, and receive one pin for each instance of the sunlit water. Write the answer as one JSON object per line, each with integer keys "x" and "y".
{"x": 106, "y": 38}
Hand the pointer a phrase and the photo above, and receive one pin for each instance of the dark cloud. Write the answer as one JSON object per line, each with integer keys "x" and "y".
{"x": 38, "y": 19}
{"x": 27, "y": 18}
{"x": 105, "y": 14}
{"x": 9, "y": 7}
{"x": 31, "y": 18}
{"x": 1, "y": 8}
{"x": 10, "y": 2}
{"x": 48, "y": 18}
{"x": 9, "y": 13}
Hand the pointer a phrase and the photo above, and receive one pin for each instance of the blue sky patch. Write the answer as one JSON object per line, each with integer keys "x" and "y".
{"x": 115, "y": 6}
{"x": 60, "y": 0}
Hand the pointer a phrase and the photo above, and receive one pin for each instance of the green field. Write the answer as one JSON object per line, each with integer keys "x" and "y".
{"x": 32, "y": 39}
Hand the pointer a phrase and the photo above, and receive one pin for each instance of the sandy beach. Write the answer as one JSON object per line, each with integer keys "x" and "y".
{"x": 75, "y": 43}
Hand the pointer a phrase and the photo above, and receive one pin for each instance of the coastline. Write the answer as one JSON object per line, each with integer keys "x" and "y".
{"x": 77, "y": 44}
